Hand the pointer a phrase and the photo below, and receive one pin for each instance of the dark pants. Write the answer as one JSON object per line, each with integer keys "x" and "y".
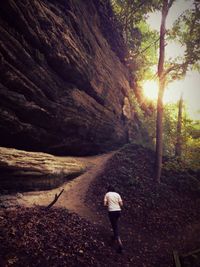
{"x": 114, "y": 216}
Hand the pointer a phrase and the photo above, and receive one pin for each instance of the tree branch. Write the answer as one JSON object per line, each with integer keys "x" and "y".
{"x": 175, "y": 67}
{"x": 170, "y": 3}
{"x": 55, "y": 199}
{"x": 146, "y": 48}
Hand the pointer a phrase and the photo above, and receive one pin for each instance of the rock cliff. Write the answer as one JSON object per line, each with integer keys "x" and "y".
{"x": 63, "y": 83}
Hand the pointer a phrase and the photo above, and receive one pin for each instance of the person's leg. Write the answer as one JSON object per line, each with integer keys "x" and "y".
{"x": 116, "y": 229}
{"x": 112, "y": 221}
{"x": 117, "y": 232}
{"x": 114, "y": 216}
{"x": 120, "y": 245}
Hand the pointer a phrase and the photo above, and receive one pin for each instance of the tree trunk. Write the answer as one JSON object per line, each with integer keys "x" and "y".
{"x": 178, "y": 146}
{"x": 159, "y": 132}
{"x": 159, "y": 120}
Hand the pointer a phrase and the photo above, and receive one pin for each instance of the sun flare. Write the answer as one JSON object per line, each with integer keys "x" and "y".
{"x": 150, "y": 90}
{"x": 189, "y": 88}
{"x": 171, "y": 95}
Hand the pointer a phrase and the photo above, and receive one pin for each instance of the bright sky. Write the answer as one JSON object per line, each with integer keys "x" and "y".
{"x": 190, "y": 86}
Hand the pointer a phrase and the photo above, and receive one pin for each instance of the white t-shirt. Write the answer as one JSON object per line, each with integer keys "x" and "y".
{"x": 113, "y": 199}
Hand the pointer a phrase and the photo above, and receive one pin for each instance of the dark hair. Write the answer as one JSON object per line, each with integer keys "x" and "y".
{"x": 111, "y": 188}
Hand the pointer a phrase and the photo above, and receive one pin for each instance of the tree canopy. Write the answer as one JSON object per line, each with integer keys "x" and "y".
{"x": 142, "y": 41}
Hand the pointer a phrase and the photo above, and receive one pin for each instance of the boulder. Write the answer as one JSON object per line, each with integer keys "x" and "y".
{"x": 26, "y": 171}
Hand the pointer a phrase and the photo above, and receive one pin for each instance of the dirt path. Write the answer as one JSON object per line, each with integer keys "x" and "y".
{"x": 73, "y": 197}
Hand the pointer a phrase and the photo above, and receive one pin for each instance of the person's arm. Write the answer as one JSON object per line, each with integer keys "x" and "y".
{"x": 120, "y": 201}
{"x": 105, "y": 202}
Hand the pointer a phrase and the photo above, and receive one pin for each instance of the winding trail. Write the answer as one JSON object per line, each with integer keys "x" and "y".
{"x": 73, "y": 197}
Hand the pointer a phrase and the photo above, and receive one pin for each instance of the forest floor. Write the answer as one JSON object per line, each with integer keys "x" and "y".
{"x": 156, "y": 219}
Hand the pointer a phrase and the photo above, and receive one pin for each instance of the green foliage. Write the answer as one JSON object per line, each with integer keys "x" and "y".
{"x": 136, "y": 106}
{"x": 147, "y": 138}
{"x": 192, "y": 152}
{"x": 145, "y": 55}
{"x": 170, "y": 128}
{"x": 190, "y": 134}
{"x": 141, "y": 41}
{"x": 186, "y": 31}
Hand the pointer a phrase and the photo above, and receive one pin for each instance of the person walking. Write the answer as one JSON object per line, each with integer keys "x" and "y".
{"x": 114, "y": 203}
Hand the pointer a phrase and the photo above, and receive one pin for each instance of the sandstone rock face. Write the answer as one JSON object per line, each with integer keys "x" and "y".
{"x": 27, "y": 171}
{"x": 62, "y": 81}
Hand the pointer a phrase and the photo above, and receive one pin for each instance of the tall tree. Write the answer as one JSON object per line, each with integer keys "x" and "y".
{"x": 162, "y": 81}
{"x": 186, "y": 30}
{"x": 178, "y": 145}
{"x": 142, "y": 46}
